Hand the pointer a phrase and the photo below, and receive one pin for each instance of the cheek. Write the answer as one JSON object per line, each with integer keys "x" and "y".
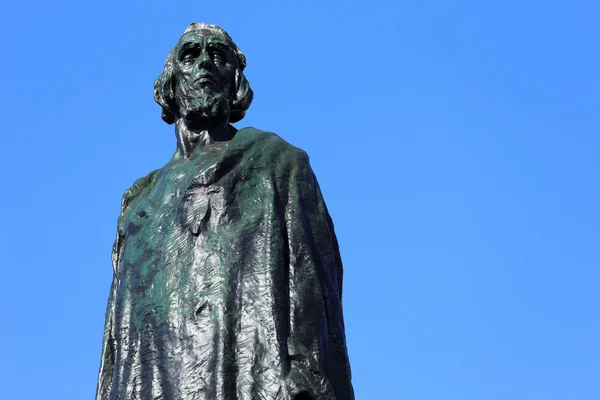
{"x": 182, "y": 83}
{"x": 182, "y": 75}
{"x": 227, "y": 73}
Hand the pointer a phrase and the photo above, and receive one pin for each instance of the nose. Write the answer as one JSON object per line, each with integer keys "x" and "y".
{"x": 204, "y": 61}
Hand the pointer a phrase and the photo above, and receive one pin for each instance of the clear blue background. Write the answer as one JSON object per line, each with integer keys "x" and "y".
{"x": 457, "y": 144}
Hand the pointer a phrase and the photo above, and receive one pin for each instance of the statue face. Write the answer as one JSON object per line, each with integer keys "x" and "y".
{"x": 205, "y": 77}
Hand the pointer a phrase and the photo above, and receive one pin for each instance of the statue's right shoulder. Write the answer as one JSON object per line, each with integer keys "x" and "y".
{"x": 137, "y": 189}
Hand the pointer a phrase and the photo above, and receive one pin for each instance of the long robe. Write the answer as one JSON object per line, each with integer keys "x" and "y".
{"x": 227, "y": 281}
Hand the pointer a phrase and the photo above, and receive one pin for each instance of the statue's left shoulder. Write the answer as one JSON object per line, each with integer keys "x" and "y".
{"x": 273, "y": 147}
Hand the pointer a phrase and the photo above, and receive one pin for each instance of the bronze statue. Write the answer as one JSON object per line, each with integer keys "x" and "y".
{"x": 227, "y": 273}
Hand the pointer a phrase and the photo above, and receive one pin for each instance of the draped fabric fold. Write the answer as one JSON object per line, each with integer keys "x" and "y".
{"x": 228, "y": 281}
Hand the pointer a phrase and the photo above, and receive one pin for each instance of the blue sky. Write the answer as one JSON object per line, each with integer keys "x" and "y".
{"x": 456, "y": 144}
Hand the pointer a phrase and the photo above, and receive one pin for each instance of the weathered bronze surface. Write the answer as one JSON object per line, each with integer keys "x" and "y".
{"x": 227, "y": 274}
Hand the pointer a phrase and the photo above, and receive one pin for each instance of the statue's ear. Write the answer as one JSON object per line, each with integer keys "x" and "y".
{"x": 242, "y": 98}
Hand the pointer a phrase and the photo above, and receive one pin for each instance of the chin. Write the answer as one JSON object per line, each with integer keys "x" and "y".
{"x": 203, "y": 106}
{"x": 206, "y": 114}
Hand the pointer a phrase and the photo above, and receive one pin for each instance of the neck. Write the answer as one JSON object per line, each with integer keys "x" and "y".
{"x": 189, "y": 139}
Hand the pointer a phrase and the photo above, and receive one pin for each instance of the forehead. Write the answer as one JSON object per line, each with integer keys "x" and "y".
{"x": 203, "y": 36}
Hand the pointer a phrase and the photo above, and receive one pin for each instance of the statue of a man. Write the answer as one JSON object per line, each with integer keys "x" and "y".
{"x": 227, "y": 274}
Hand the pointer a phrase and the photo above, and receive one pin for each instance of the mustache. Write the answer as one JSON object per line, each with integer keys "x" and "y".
{"x": 206, "y": 76}
{"x": 202, "y": 82}
{"x": 197, "y": 89}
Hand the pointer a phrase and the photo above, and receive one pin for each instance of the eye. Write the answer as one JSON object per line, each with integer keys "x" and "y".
{"x": 218, "y": 56}
{"x": 188, "y": 55}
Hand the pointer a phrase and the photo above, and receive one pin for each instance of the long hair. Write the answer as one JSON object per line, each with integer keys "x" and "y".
{"x": 164, "y": 86}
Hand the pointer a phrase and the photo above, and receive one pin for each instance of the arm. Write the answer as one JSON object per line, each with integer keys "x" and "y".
{"x": 109, "y": 351}
{"x": 107, "y": 360}
{"x": 317, "y": 344}
{"x": 109, "y": 345}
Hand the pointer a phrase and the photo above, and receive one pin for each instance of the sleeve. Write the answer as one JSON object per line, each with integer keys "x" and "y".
{"x": 109, "y": 346}
{"x": 107, "y": 361}
{"x": 109, "y": 351}
{"x": 317, "y": 343}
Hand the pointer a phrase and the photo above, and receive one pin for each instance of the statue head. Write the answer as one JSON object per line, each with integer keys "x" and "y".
{"x": 203, "y": 79}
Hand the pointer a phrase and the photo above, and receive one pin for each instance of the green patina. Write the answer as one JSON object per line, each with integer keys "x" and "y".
{"x": 228, "y": 277}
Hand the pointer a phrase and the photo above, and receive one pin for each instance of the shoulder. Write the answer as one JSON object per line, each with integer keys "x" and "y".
{"x": 137, "y": 189}
{"x": 271, "y": 146}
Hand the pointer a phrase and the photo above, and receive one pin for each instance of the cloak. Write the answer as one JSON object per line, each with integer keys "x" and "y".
{"x": 227, "y": 281}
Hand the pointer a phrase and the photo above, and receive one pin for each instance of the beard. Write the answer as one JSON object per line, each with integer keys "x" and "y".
{"x": 203, "y": 107}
